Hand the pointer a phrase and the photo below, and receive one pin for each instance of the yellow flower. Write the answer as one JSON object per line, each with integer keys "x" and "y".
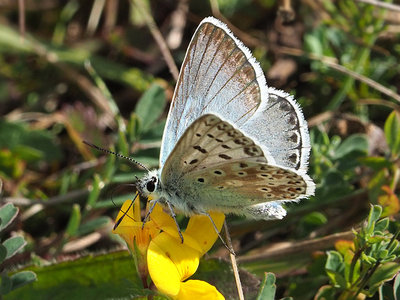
{"x": 158, "y": 250}
{"x": 171, "y": 262}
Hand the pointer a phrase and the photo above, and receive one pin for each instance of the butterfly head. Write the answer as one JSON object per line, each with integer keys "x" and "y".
{"x": 149, "y": 184}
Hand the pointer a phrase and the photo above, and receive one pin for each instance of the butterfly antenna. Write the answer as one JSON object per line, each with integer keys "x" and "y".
{"x": 117, "y": 154}
{"x": 125, "y": 213}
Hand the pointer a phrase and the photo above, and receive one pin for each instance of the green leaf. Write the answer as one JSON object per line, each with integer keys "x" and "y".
{"x": 93, "y": 225}
{"x": 94, "y": 193}
{"x": 383, "y": 273}
{"x": 13, "y": 245}
{"x": 313, "y": 44}
{"x": 376, "y": 162}
{"x": 74, "y": 220}
{"x": 396, "y": 287}
{"x": 150, "y": 107}
{"x": 381, "y": 225}
{"x": 8, "y": 212}
{"x": 368, "y": 259}
{"x": 335, "y": 269}
{"x": 21, "y": 140}
{"x": 91, "y": 277}
{"x": 392, "y": 132}
{"x": 374, "y": 214}
{"x": 315, "y": 218}
{"x": 354, "y": 143}
{"x": 22, "y": 278}
{"x": 326, "y": 292}
{"x": 113, "y": 275}
{"x": 267, "y": 288}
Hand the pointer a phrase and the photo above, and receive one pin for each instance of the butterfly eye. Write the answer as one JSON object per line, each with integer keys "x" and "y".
{"x": 151, "y": 185}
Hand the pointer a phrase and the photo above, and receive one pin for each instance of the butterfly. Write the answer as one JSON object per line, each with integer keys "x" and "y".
{"x": 231, "y": 143}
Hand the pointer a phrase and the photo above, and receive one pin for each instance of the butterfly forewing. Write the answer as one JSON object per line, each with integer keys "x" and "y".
{"x": 210, "y": 141}
{"x": 217, "y": 75}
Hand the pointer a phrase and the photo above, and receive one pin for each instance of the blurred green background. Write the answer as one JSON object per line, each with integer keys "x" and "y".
{"x": 91, "y": 70}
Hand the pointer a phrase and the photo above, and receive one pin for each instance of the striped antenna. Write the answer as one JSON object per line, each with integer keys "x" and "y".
{"x": 117, "y": 154}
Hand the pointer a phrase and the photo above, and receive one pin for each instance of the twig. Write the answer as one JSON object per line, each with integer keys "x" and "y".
{"x": 94, "y": 18}
{"x": 158, "y": 38}
{"x": 21, "y": 17}
{"x": 246, "y": 38}
{"x": 289, "y": 248}
{"x": 330, "y": 62}
{"x": 178, "y": 22}
{"x": 68, "y": 197}
{"x": 382, "y": 102}
{"x": 389, "y": 6}
{"x": 110, "y": 15}
{"x": 234, "y": 263}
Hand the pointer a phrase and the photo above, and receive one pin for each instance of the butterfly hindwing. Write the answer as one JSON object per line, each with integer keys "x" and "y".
{"x": 216, "y": 167}
{"x": 243, "y": 183}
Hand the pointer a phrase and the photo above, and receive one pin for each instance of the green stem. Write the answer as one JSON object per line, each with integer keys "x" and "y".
{"x": 366, "y": 278}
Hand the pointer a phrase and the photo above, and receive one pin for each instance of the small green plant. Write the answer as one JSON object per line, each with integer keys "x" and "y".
{"x": 361, "y": 267}
{"x": 8, "y": 249}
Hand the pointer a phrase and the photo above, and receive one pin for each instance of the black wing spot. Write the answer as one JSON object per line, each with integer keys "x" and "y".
{"x": 252, "y": 151}
{"x": 193, "y": 161}
{"x": 293, "y": 157}
{"x": 200, "y": 179}
{"x": 243, "y": 165}
{"x": 225, "y": 146}
{"x": 219, "y": 140}
{"x": 217, "y": 172}
{"x": 210, "y": 135}
{"x": 198, "y": 134}
{"x": 224, "y": 156}
{"x": 202, "y": 150}
{"x": 294, "y": 138}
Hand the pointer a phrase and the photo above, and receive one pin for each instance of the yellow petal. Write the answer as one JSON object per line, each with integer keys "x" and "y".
{"x": 162, "y": 271}
{"x": 131, "y": 229}
{"x": 170, "y": 262}
{"x": 199, "y": 290}
{"x": 126, "y": 213}
{"x": 136, "y": 208}
{"x": 162, "y": 219}
{"x": 201, "y": 229}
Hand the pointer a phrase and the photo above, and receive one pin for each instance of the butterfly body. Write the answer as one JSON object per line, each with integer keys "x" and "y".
{"x": 230, "y": 144}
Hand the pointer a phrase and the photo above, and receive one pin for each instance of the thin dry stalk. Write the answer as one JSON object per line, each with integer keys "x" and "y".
{"x": 94, "y": 18}
{"x": 151, "y": 24}
{"x": 390, "y": 6}
{"x": 21, "y": 17}
{"x": 330, "y": 63}
{"x": 287, "y": 249}
{"x": 178, "y": 22}
{"x": 234, "y": 263}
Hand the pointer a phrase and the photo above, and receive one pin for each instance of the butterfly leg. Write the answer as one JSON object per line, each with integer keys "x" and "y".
{"x": 173, "y": 215}
{"x": 153, "y": 204}
{"x": 219, "y": 235}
